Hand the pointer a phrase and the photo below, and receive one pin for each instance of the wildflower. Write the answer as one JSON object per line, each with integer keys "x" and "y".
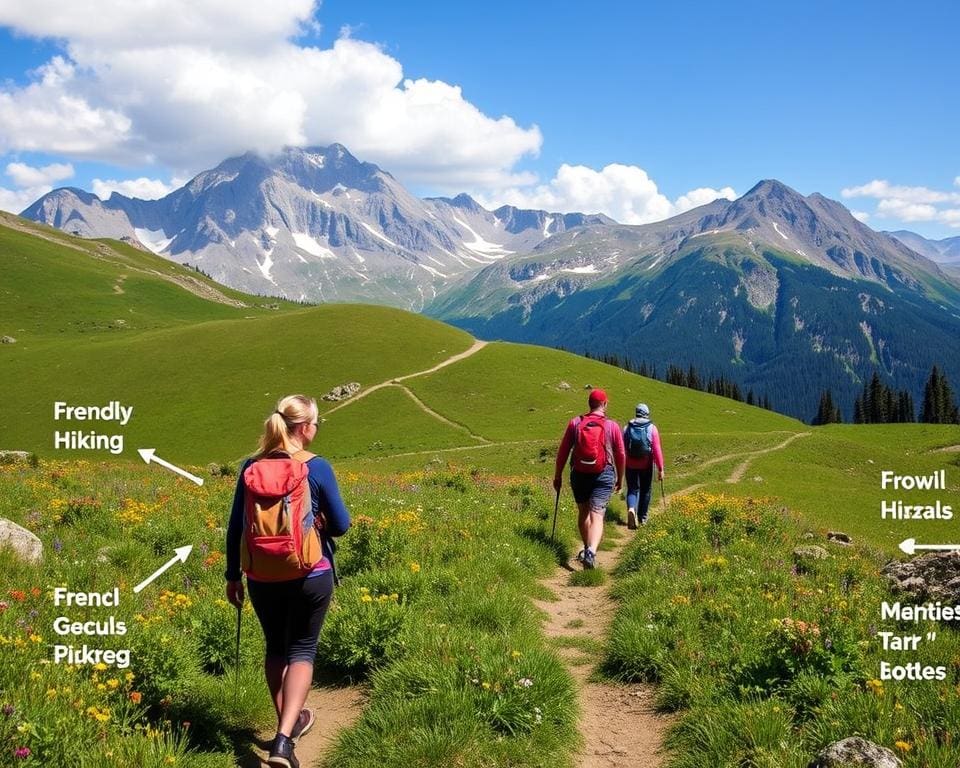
{"x": 36, "y": 639}
{"x": 875, "y": 686}
{"x": 8, "y": 709}
{"x": 524, "y": 682}
{"x": 113, "y": 683}
{"x": 366, "y": 599}
{"x": 135, "y": 696}
{"x": 485, "y": 685}
{"x": 17, "y": 594}
{"x": 21, "y": 753}
{"x": 515, "y": 654}
{"x": 903, "y": 746}
{"x": 3, "y": 605}
{"x": 100, "y": 666}
{"x": 414, "y": 567}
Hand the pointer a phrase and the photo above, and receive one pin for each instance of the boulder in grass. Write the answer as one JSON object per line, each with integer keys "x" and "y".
{"x": 931, "y": 577}
{"x": 855, "y": 752}
{"x": 8, "y": 340}
{"x": 838, "y": 537}
{"x": 810, "y": 552}
{"x": 342, "y": 392}
{"x": 24, "y": 544}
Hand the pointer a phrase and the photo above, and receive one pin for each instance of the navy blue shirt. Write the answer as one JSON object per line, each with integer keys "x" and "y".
{"x": 325, "y": 498}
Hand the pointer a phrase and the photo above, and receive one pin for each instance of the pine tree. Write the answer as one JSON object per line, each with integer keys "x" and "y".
{"x": 859, "y": 412}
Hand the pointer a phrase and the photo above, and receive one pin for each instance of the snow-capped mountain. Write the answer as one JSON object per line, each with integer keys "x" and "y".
{"x": 311, "y": 224}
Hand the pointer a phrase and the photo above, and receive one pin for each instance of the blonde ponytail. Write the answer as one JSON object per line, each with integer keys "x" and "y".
{"x": 277, "y": 429}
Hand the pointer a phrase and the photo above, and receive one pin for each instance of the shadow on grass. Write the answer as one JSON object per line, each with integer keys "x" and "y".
{"x": 558, "y": 546}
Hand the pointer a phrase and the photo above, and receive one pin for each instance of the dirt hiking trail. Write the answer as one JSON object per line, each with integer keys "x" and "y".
{"x": 335, "y": 709}
{"x": 619, "y": 723}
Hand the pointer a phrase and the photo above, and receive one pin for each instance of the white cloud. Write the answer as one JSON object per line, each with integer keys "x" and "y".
{"x": 24, "y": 175}
{"x": 861, "y": 216}
{"x": 907, "y": 211}
{"x": 143, "y": 188}
{"x": 15, "y": 200}
{"x": 909, "y": 204}
{"x": 187, "y": 83}
{"x": 31, "y": 182}
{"x": 956, "y": 181}
{"x": 623, "y": 192}
{"x": 879, "y": 188}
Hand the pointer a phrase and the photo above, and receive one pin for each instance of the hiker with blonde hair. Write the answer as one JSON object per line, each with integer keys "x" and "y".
{"x": 286, "y": 509}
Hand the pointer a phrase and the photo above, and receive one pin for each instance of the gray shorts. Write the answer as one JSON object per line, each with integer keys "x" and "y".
{"x": 597, "y": 489}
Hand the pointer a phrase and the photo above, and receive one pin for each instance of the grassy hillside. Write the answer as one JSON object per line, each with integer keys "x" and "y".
{"x": 202, "y": 366}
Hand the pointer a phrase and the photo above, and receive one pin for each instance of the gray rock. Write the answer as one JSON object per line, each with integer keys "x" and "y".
{"x": 27, "y": 546}
{"x": 342, "y": 392}
{"x": 931, "y": 577}
{"x": 839, "y": 538}
{"x": 8, "y": 340}
{"x": 563, "y": 386}
{"x": 14, "y": 457}
{"x": 855, "y": 751}
{"x": 810, "y": 552}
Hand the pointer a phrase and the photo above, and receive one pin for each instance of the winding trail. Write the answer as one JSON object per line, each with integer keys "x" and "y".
{"x": 619, "y": 723}
{"x": 476, "y": 347}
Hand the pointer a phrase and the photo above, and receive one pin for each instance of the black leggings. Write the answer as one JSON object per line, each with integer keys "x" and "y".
{"x": 291, "y": 614}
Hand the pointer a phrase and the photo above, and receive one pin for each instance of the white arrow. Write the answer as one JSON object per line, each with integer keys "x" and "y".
{"x": 910, "y": 546}
{"x": 149, "y": 455}
{"x": 182, "y": 554}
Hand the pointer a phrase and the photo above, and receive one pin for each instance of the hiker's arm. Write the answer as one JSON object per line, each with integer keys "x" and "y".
{"x": 234, "y": 530}
{"x": 619, "y": 457}
{"x": 657, "y": 449}
{"x": 563, "y": 452}
{"x": 336, "y": 516}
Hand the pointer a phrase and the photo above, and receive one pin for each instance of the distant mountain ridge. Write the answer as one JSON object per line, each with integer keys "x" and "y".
{"x": 946, "y": 251}
{"x": 312, "y": 224}
{"x": 782, "y": 293}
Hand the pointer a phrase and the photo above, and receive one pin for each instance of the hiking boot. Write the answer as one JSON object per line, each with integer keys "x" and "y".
{"x": 281, "y": 753}
{"x": 643, "y": 521}
{"x": 580, "y": 556}
{"x": 304, "y": 723}
{"x": 589, "y": 560}
{"x": 632, "y": 519}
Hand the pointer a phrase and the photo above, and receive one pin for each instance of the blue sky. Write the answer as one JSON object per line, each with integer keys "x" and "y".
{"x": 639, "y": 110}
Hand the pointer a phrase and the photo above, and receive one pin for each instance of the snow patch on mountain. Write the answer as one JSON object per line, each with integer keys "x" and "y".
{"x": 155, "y": 240}
{"x": 481, "y": 246}
{"x": 310, "y": 245}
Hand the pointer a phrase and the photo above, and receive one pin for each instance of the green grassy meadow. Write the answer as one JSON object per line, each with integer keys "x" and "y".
{"x": 447, "y": 475}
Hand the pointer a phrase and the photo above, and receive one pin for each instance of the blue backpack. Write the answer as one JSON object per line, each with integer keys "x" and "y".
{"x": 639, "y": 443}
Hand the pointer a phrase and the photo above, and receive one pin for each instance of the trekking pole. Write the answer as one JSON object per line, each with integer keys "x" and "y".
{"x": 556, "y": 506}
{"x": 236, "y": 682}
{"x": 663, "y": 498}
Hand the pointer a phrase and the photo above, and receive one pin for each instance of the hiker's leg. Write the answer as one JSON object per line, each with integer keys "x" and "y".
{"x": 633, "y": 487}
{"x": 274, "y": 668}
{"x": 583, "y": 522}
{"x": 270, "y": 602}
{"x": 309, "y": 608}
{"x": 645, "y": 490}
{"x": 595, "y": 527}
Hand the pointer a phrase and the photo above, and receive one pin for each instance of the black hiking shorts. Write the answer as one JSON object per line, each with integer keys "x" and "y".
{"x": 291, "y": 614}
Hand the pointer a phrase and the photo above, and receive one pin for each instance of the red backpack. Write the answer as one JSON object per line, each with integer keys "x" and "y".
{"x": 590, "y": 444}
{"x": 279, "y": 541}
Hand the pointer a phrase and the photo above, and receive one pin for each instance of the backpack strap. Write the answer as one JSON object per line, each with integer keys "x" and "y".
{"x": 303, "y": 456}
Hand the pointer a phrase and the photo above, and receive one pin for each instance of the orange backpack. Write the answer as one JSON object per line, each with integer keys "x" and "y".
{"x": 279, "y": 541}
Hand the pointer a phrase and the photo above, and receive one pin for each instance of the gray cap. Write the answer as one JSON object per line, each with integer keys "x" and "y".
{"x": 643, "y": 411}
